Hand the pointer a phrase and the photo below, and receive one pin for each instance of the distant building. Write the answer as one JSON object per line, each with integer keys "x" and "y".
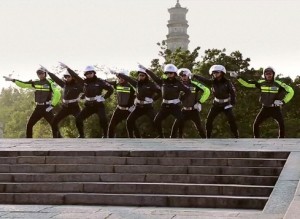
{"x": 177, "y": 36}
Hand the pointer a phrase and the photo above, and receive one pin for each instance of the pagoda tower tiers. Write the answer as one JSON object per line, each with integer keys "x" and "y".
{"x": 177, "y": 25}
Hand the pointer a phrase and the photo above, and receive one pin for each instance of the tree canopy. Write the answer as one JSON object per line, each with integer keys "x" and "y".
{"x": 17, "y": 104}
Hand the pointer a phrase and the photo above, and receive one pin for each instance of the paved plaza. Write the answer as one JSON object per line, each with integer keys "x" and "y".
{"x": 284, "y": 201}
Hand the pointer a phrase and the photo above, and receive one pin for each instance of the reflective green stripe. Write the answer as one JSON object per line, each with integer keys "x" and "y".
{"x": 206, "y": 91}
{"x": 245, "y": 83}
{"x": 269, "y": 91}
{"x": 43, "y": 89}
{"x": 288, "y": 89}
{"x": 123, "y": 89}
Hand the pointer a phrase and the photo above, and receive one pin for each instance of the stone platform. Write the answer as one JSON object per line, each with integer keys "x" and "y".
{"x": 283, "y": 202}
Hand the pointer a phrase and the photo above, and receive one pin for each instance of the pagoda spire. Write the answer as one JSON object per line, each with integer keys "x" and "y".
{"x": 177, "y": 36}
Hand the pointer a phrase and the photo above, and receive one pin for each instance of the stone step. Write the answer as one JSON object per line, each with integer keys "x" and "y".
{"x": 167, "y": 153}
{"x": 165, "y": 161}
{"x": 137, "y": 188}
{"x": 98, "y": 168}
{"x": 134, "y": 200}
{"x": 121, "y": 177}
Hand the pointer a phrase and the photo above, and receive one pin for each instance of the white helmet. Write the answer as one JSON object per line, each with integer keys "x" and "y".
{"x": 123, "y": 72}
{"x": 217, "y": 68}
{"x": 170, "y": 68}
{"x": 185, "y": 71}
{"x": 42, "y": 69}
{"x": 270, "y": 69}
{"x": 66, "y": 73}
{"x": 142, "y": 70}
{"x": 89, "y": 68}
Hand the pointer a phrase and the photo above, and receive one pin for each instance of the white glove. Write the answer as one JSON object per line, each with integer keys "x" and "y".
{"x": 233, "y": 74}
{"x": 49, "y": 108}
{"x": 142, "y": 67}
{"x": 148, "y": 100}
{"x": 198, "y": 107}
{"x": 100, "y": 99}
{"x": 131, "y": 108}
{"x": 8, "y": 78}
{"x": 228, "y": 106}
{"x": 62, "y": 65}
{"x": 278, "y": 103}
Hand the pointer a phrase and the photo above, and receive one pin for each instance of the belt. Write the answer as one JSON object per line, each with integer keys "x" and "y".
{"x": 222, "y": 100}
{"x": 174, "y": 101}
{"x": 98, "y": 98}
{"x": 71, "y": 101}
{"x": 123, "y": 108}
{"x": 45, "y": 103}
{"x": 146, "y": 101}
{"x": 188, "y": 108}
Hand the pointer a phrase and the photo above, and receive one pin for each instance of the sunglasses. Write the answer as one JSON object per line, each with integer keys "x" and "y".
{"x": 268, "y": 73}
{"x": 88, "y": 72}
{"x": 142, "y": 75}
{"x": 169, "y": 73}
{"x": 40, "y": 73}
{"x": 216, "y": 72}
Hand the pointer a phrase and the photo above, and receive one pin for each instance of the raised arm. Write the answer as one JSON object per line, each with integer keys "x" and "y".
{"x": 154, "y": 77}
{"x": 130, "y": 80}
{"x": 56, "y": 79}
{"x": 24, "y": 84}
{"x": 75, "y": 76}
{"x": 202, "y": 79}
{"x": 206, "y": 91}
{"x": 248, "y": 84}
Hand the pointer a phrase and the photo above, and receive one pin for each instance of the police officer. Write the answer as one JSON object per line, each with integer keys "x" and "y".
{"x": 225, "y": 97}
{"x": 146, "y": 93}
{"x": 271, "y": 98}
{"x": 47, "y": 95}
{"x": 71, "y": 95}
{"x": 171, "y": 88}
{"x": 125, "y": 100}
{"x": 94, "y": 99}
{"x": 191, "y": 104}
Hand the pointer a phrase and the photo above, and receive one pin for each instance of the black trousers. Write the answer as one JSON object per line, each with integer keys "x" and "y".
{"x": 265, "y": 113}
{"x": 214, "y": 112}
{"x": 165, "y": 111}
{"x": 39, "y": 113}
{"x": 192, "y": 115}
{"x": 67, "y": 110}
{"x": 90, "y": 109}
{"x": 118, "y": 116}
{"x": 137, "y": 113}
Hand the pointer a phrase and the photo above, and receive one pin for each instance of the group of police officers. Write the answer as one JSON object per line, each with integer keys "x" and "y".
{"x": 182, "y": 97}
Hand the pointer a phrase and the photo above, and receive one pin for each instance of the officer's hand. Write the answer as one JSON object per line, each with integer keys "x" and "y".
{"x": 228, "y": 106}
{"x": 278, "y": 103}
{"x": 131, "y": 108}
{"x": 8, "y": 78}
{"x": 198, "y": 107}
{"x": 62, "y": 65}
{"x": 142, "y": 67}
{"x": 49, "y": 108}
{"x": 233, "y": 74}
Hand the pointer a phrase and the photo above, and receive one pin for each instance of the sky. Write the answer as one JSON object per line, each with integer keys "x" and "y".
{"x": 120, "y": 33}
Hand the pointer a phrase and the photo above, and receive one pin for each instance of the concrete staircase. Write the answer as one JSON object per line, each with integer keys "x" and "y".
{"x": 208, "y": 179}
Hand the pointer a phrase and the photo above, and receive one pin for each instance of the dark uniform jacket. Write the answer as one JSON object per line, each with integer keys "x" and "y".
{"x": 222, "y": 89}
